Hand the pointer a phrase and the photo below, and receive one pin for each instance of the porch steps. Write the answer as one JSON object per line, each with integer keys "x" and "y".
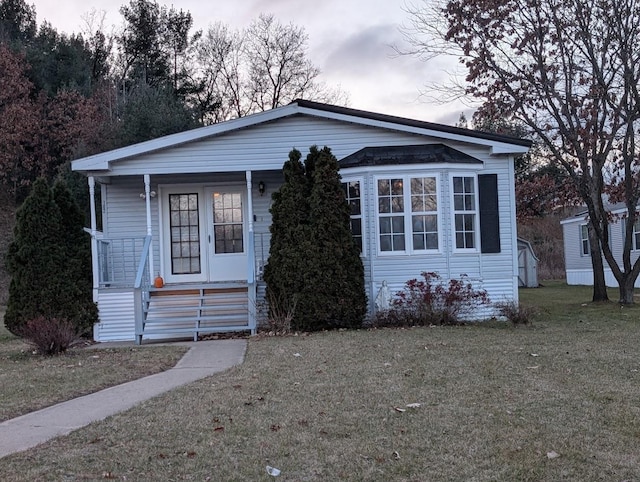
{"x": 196, "y": 309}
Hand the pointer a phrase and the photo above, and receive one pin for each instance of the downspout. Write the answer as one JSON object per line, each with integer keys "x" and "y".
{"x": 94, "y": 242}
{"x": 251, "y": 260}
{"x": 147, "y": 200}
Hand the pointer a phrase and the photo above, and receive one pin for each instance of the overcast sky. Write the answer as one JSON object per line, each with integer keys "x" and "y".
{"x": 349, "y": 40}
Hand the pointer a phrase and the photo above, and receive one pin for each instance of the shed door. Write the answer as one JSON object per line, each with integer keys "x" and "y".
{"x": 227, "y": 234}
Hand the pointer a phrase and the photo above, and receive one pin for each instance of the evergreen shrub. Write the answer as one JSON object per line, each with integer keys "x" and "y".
{"x": 314, "y": 269}
{"x": 49, "y": 262}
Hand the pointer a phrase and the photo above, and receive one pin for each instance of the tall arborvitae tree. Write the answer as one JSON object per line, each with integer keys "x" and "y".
{"x": 314, "y": 266}
{"x": 335, "y": 295}
{"x": 44, "y": 262}
{"x": 78, "y": 290}
{"x": 284, "y": 273}
{"x": 34, "y": 259}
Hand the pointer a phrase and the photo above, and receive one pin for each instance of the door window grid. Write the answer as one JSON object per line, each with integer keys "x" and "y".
{"x": 185, "y": 233}
{"x": 227, "y": 223}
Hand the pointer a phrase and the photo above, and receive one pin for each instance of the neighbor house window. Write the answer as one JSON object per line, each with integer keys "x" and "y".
{"x": 584, "y": 240}
{"x": 465, "y": 211}
{"x": 636, "y": 235}
{"x": 353, "y": 196}
{"x": 185, "y": 233}
{"x": 407, "y": 214}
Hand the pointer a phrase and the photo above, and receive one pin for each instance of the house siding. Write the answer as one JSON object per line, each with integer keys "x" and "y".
{"x": 578, "y": 266}
{"x": 115, "y": 308}
{"x": 264, "y": 147}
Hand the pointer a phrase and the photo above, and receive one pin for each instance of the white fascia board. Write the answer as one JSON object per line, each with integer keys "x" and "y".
{"x": 496, "y": 146}
{"x": 100, "y": 162}
{"x": 578, "y": 218}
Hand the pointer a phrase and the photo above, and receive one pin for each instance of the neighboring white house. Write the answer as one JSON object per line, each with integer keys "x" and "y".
{"x": 194, "y": 207}
{"x": 577, "y": 250}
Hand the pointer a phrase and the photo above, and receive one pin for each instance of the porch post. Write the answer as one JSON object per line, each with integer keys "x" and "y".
{"x": 147, "y": 200}
{"x": 251, "y": 265}
{"x": 94, "y": 242}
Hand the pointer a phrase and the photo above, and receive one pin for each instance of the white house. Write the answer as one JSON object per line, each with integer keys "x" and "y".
{"x": 194, "y": 208}
{"x": 577, "y": 250}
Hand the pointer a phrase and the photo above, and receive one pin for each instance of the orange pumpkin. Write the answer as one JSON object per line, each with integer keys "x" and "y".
{"x": 158, "y": 282}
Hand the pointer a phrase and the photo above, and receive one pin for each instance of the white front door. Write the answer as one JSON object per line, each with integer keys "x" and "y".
{"x": 204, "y": 233}
{"x": 226, "y": 214}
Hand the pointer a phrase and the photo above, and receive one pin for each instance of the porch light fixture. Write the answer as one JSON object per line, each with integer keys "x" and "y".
{"x": 151, "y": 194}
{"x": 261, "y": 187}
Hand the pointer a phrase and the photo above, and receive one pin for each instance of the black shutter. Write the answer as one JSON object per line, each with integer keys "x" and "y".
{"x": 489, "y": 217}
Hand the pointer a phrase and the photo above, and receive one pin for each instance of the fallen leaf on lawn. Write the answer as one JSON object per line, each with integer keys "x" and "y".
{"x": 273, "y": 471}
{"x": 413, "y": 405}
{"x": 396, "y": 455}
{"x": 297, "y": 354}
{"x": 108, "y": 475}
{"x": 275, "y": 427}
{"x": 534, "y": 367}
{"x": 553, "y": 455}
{"x": 218, "y": 429}
{"x": 398, "y": 409}
{"x": 534, "y": 354}
{"x": 387, "y": 364}
{"x": 190, "y": 455}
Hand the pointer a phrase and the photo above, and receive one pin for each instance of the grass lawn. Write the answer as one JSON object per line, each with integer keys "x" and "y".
{"x": 30, "y": 382}
{"x": 557, "y": 400}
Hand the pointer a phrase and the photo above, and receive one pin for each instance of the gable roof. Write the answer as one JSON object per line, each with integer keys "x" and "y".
{"x": 497, "y": 143}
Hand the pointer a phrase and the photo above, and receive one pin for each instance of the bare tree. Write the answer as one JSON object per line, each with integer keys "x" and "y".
{"x": 260, "y": 68}
{"x": 569, "y": 70}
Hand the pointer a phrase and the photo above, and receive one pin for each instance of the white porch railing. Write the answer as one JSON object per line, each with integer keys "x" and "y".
{"x": 119, "y": 260}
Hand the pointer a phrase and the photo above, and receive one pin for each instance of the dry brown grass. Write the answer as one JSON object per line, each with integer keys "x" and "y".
{"x": 494, "y": 401}
{"x": 30, "y": 381}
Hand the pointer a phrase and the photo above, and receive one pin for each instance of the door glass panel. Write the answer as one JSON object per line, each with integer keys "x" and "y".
{"x": 227, "y": 222}
{"x": 185, "y": 233}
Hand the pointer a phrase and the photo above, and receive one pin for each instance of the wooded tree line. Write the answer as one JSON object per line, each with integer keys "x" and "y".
{"x": 64, "y": 96}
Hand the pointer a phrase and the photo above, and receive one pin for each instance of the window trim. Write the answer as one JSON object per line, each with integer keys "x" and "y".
{"x": 363, "y": 207}
{"x": 407, "y": 212}
{"x": 475, "y": 212}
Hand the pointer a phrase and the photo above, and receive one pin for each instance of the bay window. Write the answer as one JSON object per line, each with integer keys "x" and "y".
{"x": 407, "y": 214}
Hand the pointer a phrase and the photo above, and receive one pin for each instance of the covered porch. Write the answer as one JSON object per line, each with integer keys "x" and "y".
{"x": 205, "y": 235}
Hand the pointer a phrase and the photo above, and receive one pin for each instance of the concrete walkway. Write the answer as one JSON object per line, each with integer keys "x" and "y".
{"x": 204, "y": 358}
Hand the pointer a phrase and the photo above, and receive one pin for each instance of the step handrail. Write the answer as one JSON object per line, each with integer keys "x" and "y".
{"x": 138, "y": 291}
